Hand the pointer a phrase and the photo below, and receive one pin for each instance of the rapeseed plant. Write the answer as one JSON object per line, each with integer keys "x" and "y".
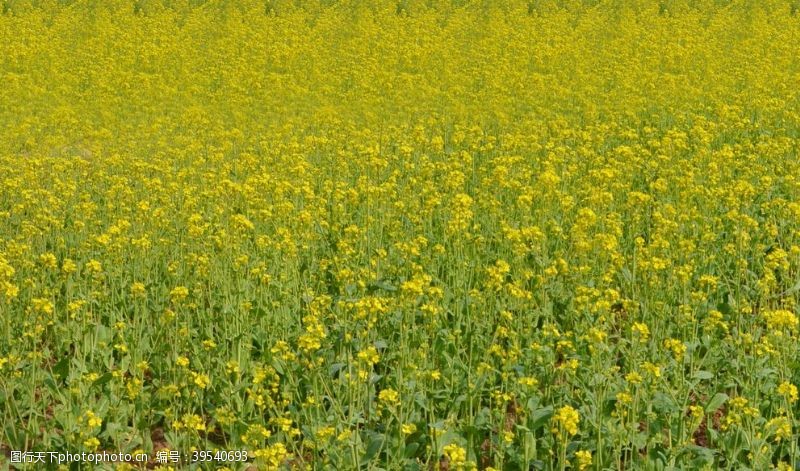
{"x": 402, "y": 234}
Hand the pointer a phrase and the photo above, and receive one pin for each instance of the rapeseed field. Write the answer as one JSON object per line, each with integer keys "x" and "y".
{"x": 400, "y": 234}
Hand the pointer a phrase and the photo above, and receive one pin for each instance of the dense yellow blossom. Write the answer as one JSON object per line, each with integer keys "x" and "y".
{"x": 566, "y": 420}
{"x": 402, "y": 234}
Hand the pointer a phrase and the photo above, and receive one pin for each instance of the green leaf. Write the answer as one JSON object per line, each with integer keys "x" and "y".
{"x": 716, "y": 402}
{"x": 703, "y": 455}
{"x": 61, "y": 369}
{"x": 411, "y": 450}
{"x": 17, "y": 441}
{"x": 101, "y": 381}
{"x": 540, "y": 417}
{"x": 703, "y": 375}
{"x": 725, "y": 308}
{"x": 383, "y": 285}
{"x": 664, "y": 403}
{"x": 52, "y": 385}
{"x": 795, "y": 288}
{"x": 532, "y": 404}
{"x": 374, "y": 446}
{"x": 104, "y": 334}
{"x": 336, "y": 368}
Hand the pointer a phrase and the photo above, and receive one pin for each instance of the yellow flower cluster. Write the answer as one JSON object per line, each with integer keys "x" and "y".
{"x": 402, "y": 234}
{"x": 566, "y": 421}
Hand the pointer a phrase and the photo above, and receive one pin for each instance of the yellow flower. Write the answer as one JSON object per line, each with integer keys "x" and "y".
{"x": 241, "y": 223}
{"x": 138, "y": 289}
{"x": 255, "y": 435}
{"x": 42, "y": 305}
{"x": 274, "y": 456}
{"x": 92, "y": 443}
{"x": 224, "y": 416}
{"x": 696, "y": 412}
{"x": 369, "y": 356}
{"x": 566, "y": 420}
{"x": 624, "y": 398}
{"x": 193, "y": 422}
{"x": 641, "y": 330}
{"x": 324, "y": 433}
{"x": 789, "y": 391}
{"x": 68, "y": 266}
{"x": 583, "y": 459}
{"x": 92, "y": 420}
{"x": 48, "y": 260}
{"x": 456, "y": 456}
{"x": 780, "y": 427}
{"x": 781, "y": 319}
{"x": 677, "y": 347}
{"x": 283, "y": 423}
{"x": 179, "y": 294}
{"x": 633, "y": 377}
{"x": 389, "y": 397}
{"x": 201, "y": 380}
{"x": 232, "y": 367}
{"x": 528, "y": 381}
{"x": 94, "y": 267}
{"x": 651, "y": 369}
